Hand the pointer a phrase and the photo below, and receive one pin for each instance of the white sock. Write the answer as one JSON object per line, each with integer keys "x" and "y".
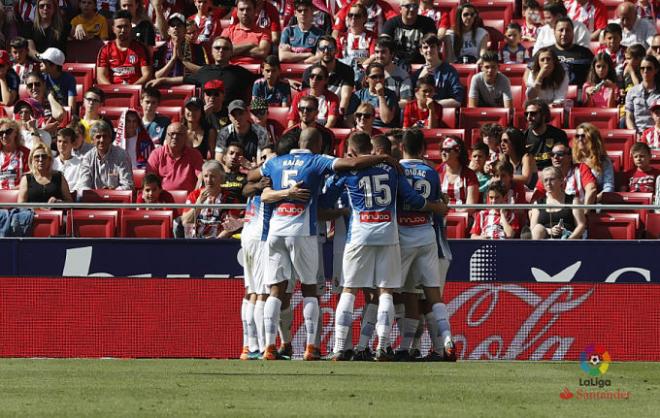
{"x": 442, "y": 319}
{"x": 259, "y": 324}
{"x": 253, "y": 340}
{"x": 367, "y": 325}
{"x": 385, "y": 317}
{"x": 343, "y": 320}
{"x": 244, "y": 321}
{"x": 417, "y": 341}
{"x": 408, "y": 332}
{"x": 271, "y": 319}
{"x": 286, "y": 319}
{"x": 432, "y": 324}
{"x": 311, "y": 316}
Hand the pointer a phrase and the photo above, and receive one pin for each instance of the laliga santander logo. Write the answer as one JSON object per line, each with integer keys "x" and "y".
{"x": 595, "y": 360}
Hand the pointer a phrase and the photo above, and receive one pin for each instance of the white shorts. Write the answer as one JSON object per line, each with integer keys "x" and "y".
{"x": 291, "y": 258}
{"x": 420, "y": 266}
{"x": 254, "y": 264}
{"x": 372, "y": 266}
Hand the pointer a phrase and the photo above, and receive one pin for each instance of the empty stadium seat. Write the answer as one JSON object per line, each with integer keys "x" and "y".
{"x": 620, "y": 140}
{"x": 613, "y": 225}
{"x": 138, "y": 177}
{"x": 457, "y": 224}
{"x": 107, "y": 196}
{"x": 631, "y": 198}
{"x": 617, "y": 160}
{"x": 293, "y": 71}
{"x": 474, "y": 117}
{"x": 172, "y": 112}
{"x": 122, "y": 95}
{"x": 111, "y": 113}
{"x": 517, "y": 96}
{"x": 47, "y": 223}
{"x": 146, "y": 224}
{"x": 448, "y": 118}
{"x": 601, "y": 118}
{"x": 253, "y": 68}
{"x": 84, "y": 73}
{"x": 9, "y": 196}
{"x": 341, "y": 134}
{"x": 83, "y": 51}
{"x": 279, "y": 114}
{"x": 176, "y": 95}
{"x": 611, "y": 6}
{"x": 572, "y": 93}
{"x": 514, "y": 73}
{"x": 93, "y": 223}
{"x": 465, "y": 71}
{"x": 652, "y": 226}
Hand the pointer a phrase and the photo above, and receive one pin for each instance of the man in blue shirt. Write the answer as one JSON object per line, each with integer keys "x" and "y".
{"x": 298, "y": 43}
{"x": 449, "y": 91}
{"x": 63, "y": 85}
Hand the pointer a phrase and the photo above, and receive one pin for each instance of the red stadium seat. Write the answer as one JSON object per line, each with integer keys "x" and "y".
{"x": 172, "y": 112}
{"x": 138, "y": 177}
{"x": 146, "y": 224}
{"x": 457, "y": 223}
{"x": 556, "y": 118}
{"x": 517, "y": 96}
{"x": 613, "y": 225}
{"x": 652, "y": 229}
{"x": 514, "y": 72}
{"x": 92, "y": 223}
{"x": 123, "y": 95}
{"x": 448, "y": 118}
{"x": 497, "y": 24}
{"x": 611, "y": 6}
{"x": 620, "y": 140}
{"x": 474, "y": 117}
{"x": 601, "y": 118}
{"x": 85, "y": 74}
{"x": 572, "y": 93}
{"x": 107, "y": 196}
{"x": 83, "y": 51}
{"x": 341, "y": 134}
{"x": 176, "y": 95}
{"x": 655, "y": 159}
{"x": 293, "y": 71}
{"x": 253, "y": 68}
{"x": 465, "y": 71}
{"x": 180, "y": 196}
{"x": 279, "y": 114}
{"x": 9, "y": 196}
{"x": 631, "y": 198}
{"x": 112, "y": 113}
{"x": 47, "y": 223}
{"x": 617, "y": 160}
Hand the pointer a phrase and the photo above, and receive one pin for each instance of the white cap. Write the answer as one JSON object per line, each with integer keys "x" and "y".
{"x": 53, "y": 55}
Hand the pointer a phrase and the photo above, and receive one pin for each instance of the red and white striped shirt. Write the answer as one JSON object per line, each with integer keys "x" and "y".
{"x": 593, "y": 14}
{"x": 457, "y": 189}
{"x": 488, "y": 224}
{"x": 352, "y": 47}
{"x": 12, "y": 167}
{"x": 651, "y": 137}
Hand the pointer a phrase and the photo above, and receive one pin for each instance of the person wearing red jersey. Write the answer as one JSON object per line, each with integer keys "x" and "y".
{"x": 124, "y": 60}
{"x": 643, "y": 177}
{"x": 423, "y": 111}
{"x": 207, "y": 20}
{"x": 357, "y": 43}
{"x": 591, "y": 13}
{"x": 440, "y": 17}
{"x": 328, "y": 109}
{"x": 378, "y": 11}
{"x": 13, "y": 155}
{"x": 495, "y": 223}
{"x": 457, "y": 181}
{"x": 651, "y": 136}
{"x": 251, "y": 42}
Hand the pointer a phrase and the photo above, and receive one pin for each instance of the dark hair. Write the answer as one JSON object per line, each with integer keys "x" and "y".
{"x": 235, "y": 144}
{"x": 67, "y": 133}
{"x": 427, "y": 79}
{"x": 252, "y": 2}
{"x": 636, "y": 51}
{"x": 315, "y": 66}
{"x": 395, "y": 133}
{"x": 19, "y": 43}
{"x": 386, "y": 43}
{"x": 517, "y": 138}
{"x": 122, "y": 14}
{"x": 531, "y": 4}
{"x": 413, "y": 142}
{"x": 490, "y": 56}
{"x": 503, "y": 167}
{"x": 498, "y": 187}
{"x": 98, "y": 92}
{"x": 151, "y": 178}
{"x": 558, "y": 72}
{"x": 458, "y": 27}
{"x": 306, "y": 3}
{"x": 653, "y": 60}
{"x": 592, "y": 78}
{"x": 309, "y": 98}
{"x": 361, "y": 142}
{"x": 36, "y": 74}
{"x": 381, "y": 142}
{"x": 430, "y": 39}
{"x": 480, "y": 146}
{"x": 565, "y": 19}
{"x": 268, "y": 146}
{"x": 372, "y": 66}
{"x": 285, "y": 145}
{"x": 491, "y": 129}
{"x": 272, "y": 60}
{"x": 150, "y": 92}
{"x": 614, "y": 29}
{"x": 555, "y": 8}
{"x": 327, "y": 38}
{"x": 640, "y": 147}
{"x": 515, "y": 26}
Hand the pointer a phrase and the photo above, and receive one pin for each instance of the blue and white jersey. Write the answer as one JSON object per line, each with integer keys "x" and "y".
{"x": 372, "y": 194}
{"x": 294, "y": 218}
{"x": 415, "y": 227}
{"x": 257, "y": 217}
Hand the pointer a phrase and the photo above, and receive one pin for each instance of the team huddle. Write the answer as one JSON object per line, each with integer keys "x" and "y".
{"x": 388, "y": 243}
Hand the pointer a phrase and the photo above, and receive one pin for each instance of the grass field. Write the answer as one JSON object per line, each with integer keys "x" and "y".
{"x": 233, "y": 388}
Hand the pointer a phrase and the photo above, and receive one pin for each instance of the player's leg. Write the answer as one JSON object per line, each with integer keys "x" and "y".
{"x": 407, "y": 298}
{"x": 438, "y": 317}
{"x": 259, "y": 320}
{"x": 367, "y": 324}
{"x": 415, "y": 349}
{"x": 304, "y": 257}
{"x": 286, "y": 321}
{"x": 388, "y": 274}
{"x": 277, "y": 275}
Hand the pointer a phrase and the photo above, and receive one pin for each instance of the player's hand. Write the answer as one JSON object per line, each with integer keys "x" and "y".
{"x": 264, "y": 182}
{"x": 297, "y": 192}
{"x": 232, "y": 224}
{"x": 439, "y": 208}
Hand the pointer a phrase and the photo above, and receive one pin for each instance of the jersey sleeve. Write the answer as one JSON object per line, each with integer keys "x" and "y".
{"x": 267, "y": 169}
{"x": 324, "y": 164}
{"x": 334, "y": 186}
{"x": 408, "y": 194}
{"x": 476, "y": 227}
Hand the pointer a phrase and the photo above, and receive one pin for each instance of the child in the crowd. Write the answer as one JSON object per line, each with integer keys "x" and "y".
{"x": 478, "y": 158}
{"x": 155, "y": 123}
{"x": 422, "y": 111}
{"x": 532, "y": 14}
{"x": 271, "y": 87}
{"x": 643, "y": 177}
{"x": 513, "y": 52}
{"x": 601, "y": 90}
{"x": 21, "y": 61}
{"x": 612, "y": 35}
{"x": 259, "y": 110}
{"x": 495, "y": 223}
{"x": 631, "y": 77}
{"x": 152, "y": 191}
{"x": 651, "y": 136}
{"x": 491, "y": 135}
{"x": 89, "y": 23}
{"x": 514, "y": 191}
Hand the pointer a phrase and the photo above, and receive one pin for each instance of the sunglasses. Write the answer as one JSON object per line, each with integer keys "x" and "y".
{"x": 560, "y": 154}
{"x": 327, "y": 48}
{"x": 528, "y": 114}
{"x": 6, "y": 132}
{"x": 40, "y": 156}
{"x": 580, "y": 136}
{"x": 306, "y": 109}
{"x": 354, "y": 15}
{"x": 303, "y": 10}
{"x": 468, "y": 14}
{"x": 448, "y": 150}
{"x": 317, "y": 77}
{"x": 45, "y": 6}
{"x": 221, "y": 47}
{"x": 260, "y": 113}
{"x": 410, "y": 6}
{"x": 214, "y": 93}
{"x": 33, "y": 85}
{"x": 363, "y": 115}
{"x": 92, "y": 100}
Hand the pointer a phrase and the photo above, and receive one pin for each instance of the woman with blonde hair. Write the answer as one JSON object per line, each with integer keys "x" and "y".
{"x": 42, "y": 184}
{"x": 14, "y": 156}
{"x": 48, "y": 30}
{"x": 588, "y": 148}
{"x": 364, "y": 119}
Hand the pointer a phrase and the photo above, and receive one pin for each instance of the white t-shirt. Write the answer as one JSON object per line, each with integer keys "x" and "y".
{"x": 546, "y": 36}
{"x": 642, "y": 30}
{"x": 70, "y": 168}
{"x": 548, "y": 95}
{"x": 471, "y": 45}
{"x": 28, "y": 138}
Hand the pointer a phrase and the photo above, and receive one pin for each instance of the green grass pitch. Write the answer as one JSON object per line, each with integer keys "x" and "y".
{"x": 71, "y": 388}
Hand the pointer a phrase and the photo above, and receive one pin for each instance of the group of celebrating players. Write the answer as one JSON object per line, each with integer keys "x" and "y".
{"x": 388, "y": 242}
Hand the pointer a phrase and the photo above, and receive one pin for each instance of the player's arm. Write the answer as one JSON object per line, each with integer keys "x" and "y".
{"x": 296, "y": 192}
{"x": 327, "y": 210}
{"x": 254, "y": 175}
{"x": 256, "y": 187}
{"x": 417, "y": 201}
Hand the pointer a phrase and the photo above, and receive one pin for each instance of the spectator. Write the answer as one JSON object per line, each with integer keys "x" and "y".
{"x": 407, "y": 31}
{"x": 80, "y": 146}
{"x": 540, "y": 135}
{"x": 29, "y": 114}
{"x": 65, "y": 161}
{"x": 237, "y": 81}
{"x": 124, "y": 60}
{"x": 106, "y": 166}
{"x": 651, "y": 136}
{"x": 63, "y": 85}
{"x": 495, "y": 223}
{"x": 53, "y": 112}
{"x": 364, "y": 120}
{"x": 132, "y": 137}
{"x": 588, "y": 148}
{"x": 449, "y": 91}
{"x": 383, "y": 100}
{"x": 178, "y": 57}
{"x": 423, "y": 111}
{"x": 14, "y": 156}
{"x": 234, "y": 179}
{"x": 272, "y": 87}
{"x": 92, "y": 102}
{"x": 635, "y": 31}
{"x": 640, "y": 98}
{"x": 601, "y": 90}
{"x": 328, "y": 101}
{"x": 632, "y": 73}
{"x": 491, "y": 135}
{"x": 468, "y": 41}
{"x": 241, "y": 130}
{"x": 48, "y": 29}
{"x": 21, "y": 61}
{"x": 654, "y": 49}
{"x": 143, "y": 29}
{"x": 320, "y": 17}
{"x": 578, "y": 178}
{"x": 154, "y": 123}
{"x": 643, "y": 177}
{"x": 341, "y": 77}
{"x": 9, "y": 80}
{"x": 298, "y": 43}
{"x": 308, "y": 109}
{"x": 478, "y": 157}
{"x": 251, "y": 42}
{"x": 490, "y": 88}
{"x": 546, "y": 80}
{"x": 207, "y": 21}
{"x": 591, "y": 13}
{"x": 152, "y": 191}
{"x": 545, "y": 36}
{"x": 89, "y": 24}
{"x": 457, "y": 181}
{"x": 395, "y": 136}
{"x": 378, "y": 11}
{"x": 208, "y": 223}
{"x": 259, "y": 111}
{"x": 531, "y": 11}
{"x": 576, "y": 59}
{"x": 522, "y": 162}
{"x": 214, "y": 108}
{"x": 611, "y": 46}
{"x": 201, "y": 135}
{"x": 107, "y": 7}
{"x": 356, "y": 44}
{"x": 514, "y": 191}
{"x": 440, "y": 17}
{"x": 646, "y": 9}
{"x": 557, "y": 223}
{"x": 176, "y": 163}
{"x": 42, "y": 184}
{"x": 396, "y": 78}
{"x": 266, "y": 17}
{"x": 513, "y": 51}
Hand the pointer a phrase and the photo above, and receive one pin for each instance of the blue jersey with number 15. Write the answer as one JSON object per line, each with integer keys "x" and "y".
{"x": 290, "y": 217}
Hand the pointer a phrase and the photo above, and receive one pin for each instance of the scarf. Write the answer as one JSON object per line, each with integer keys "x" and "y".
{"x": 143, "y": 145}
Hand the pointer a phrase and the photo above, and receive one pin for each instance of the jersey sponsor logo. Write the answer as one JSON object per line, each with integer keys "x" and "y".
{"x": 290, "y": 209}
{"x": 412, "y": 220}
{"x": 376, "y": 217}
